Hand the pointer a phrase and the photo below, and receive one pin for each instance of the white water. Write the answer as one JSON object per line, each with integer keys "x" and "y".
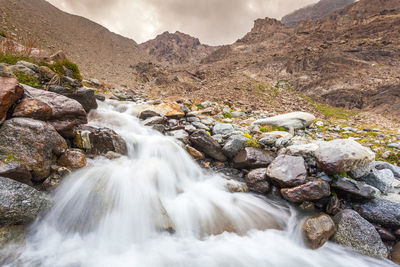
{"x": 109, "y": 214}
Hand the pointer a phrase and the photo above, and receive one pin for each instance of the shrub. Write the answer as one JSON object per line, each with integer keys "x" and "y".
{"x": 28, "y": 80}
{"x": 60, "y": 68}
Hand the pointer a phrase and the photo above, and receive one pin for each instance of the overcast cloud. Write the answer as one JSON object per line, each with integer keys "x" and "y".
{"x": 212, "y": 21}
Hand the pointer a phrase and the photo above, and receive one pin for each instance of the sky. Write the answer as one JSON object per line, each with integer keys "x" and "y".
{"x": 214, "y": 22}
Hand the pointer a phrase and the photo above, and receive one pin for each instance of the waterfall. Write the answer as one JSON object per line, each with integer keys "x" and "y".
{"x": 157, "y": 208}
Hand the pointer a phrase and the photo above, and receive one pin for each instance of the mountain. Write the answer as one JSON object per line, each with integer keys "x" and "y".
{"x": 177, "y": 48}
{"x": 99, "y": 52}
{"x": 319, "y": 10}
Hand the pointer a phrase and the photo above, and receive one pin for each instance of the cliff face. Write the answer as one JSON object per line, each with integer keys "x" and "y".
{"x": 320, "y": 10}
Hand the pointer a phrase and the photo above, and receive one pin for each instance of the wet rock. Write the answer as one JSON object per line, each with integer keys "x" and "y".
{"x": 381, "y": 179}
{"x": 235, "y": 187}
{"x": 154, "y": 120}
{"x": 342, "y": 155}
{"x": 12, "y": 234}
{"x": 112, "y": 155}
{"x": 20, "y": 203}
{"x": 356, "y": 233}
{"x": 223, "y": 129}
{"x": 85, "y": 96}
{"x": 163, "y": 220}
{"x": 66, "y": 112}
{"x": 317, "y": 230}
{"x": 294, "y": 120}
{"x": 202, "y": 141}
{"x": 396, "y": 253}
{"x": 73, "y": 159}
{"x": 33, "y": 143}
{"x": 385, "y": 234}
{"x": 333, "y": 206}
{"x": 148, "y": 114}
{"x": 180, "y": 135}
{"x": 252, "y": 158}
{"x": 33, "y": 108}
{"x": 256, "y": 180}
{"x": 380, "y": 211}
{"x": 314, "y": 190}
{"x": 14, "y": 170}
{"x": 194, "y": 153}
{"x": 234, "y": 145}
{"x": 287, "y": 171}
{"x": 10, "y": 92}
{"x": 99, "y": 141}
{"x": 354, "y": 189}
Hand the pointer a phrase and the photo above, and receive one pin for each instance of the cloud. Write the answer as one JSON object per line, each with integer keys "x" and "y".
{"x": 212, "y": 21}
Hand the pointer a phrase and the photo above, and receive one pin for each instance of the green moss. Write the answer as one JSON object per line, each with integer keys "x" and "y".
{"x": 331, "y": 111}
{"x": 60, "y": 68}
{"x": 27, "y": 79}
{"x": 266, "y": 129}
{"x": 227, "y": 115}
{"x": 253, "y": 143}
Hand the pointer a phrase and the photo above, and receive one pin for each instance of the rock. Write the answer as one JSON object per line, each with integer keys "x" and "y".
{"x": 58, "y": 56}
{"x": 362, "y": 171}
{"x": 100, "y": 97}
{"x": 190, "y": 128}
{"x": 282, "y": 143}
{"x": 73, "y": 159}
{"x": 291, "y": 121}
{"x": 194, "y": 153}
{"x": 15, "y": 171}
{"x": 256, "y": 180}
{"x": 223, "y": 129}
{"x": 234, "y": 145}
{"x": 206, "y": 104}
{"x": 237, "y": 114}
{"x": 385, "y": 234}
{"x": 354, "y": 189}
{"x": 237, "y": 187}
{"x": 66, "y": 112}
{"x": 180, "y": 135}
{"x": 10, "y": 92}
{"x": 342, "y": 155}
{"x": 5, "y": 71}
{"x": 22, "y": 69}
{"x": 200, "y": 126}
{"x": 333, "y": 206}
{"x": 148, "y": 114}
{"x": 314, "y": 190}
{"x": 46, "y": 74}
{"x": 33, "y": 143}
{"x": 356, "y": 233}
{"x": 380, "y": 211}
{"x": 267, "y": 141}
{"x": 99, "y": 141}
{"x": 396, "y": 253}
{"x": 278, "y": 134}
{"x": 112, "y": 155}
{"x": 394, "y": 145}
{"x": 154, "y": 120}
{"x": 29, "y": 65}
{"x": 252, "y": 158}
{"x": 20, "y": 203}
{"x": 317, "y": 230}
{"x": 85, "y": 96}
{"x": 287, "y": 171}
{"x": 202, "y": 141}
{"x": 305, "y": 150}
{"x": 33, "y": 108}
{"x": 381, "y": 179}
{"x": 170, "y": 110}
{"x": 384, "y": 165}
{"x": 12, "y": 234}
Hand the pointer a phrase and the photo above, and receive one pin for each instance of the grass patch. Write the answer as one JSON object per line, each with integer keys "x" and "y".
{"x": 253, "y": 143}
{"x": 61, "y": 68}
{"x": 331, "y": 111}
{"x": 266, "y": 129}
{"x": 27, "y": 79}
{"x": 12, "y": 59}
{"x": 227, "y": 115}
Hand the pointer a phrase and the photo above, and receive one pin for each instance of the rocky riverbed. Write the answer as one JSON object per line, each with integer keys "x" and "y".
{"x": 342, "y": 174}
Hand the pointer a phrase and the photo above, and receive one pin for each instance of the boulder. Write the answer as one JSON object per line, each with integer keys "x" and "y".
{"x": 148, "y": 114}
{"x": 355, "y": 232}
{"x": 287, "y": 171}
{"x": 203, "y": 142}
{"x": 98, "y": 141}
{"x": 14, "y": 170}
{"x": 381, "y": 179}
{"x": 384, "y": 165}
{"x": 380, "y": 211}
{"x": 256, "y": 180}
{"x": 20, "y": 203}
{"x": 46, "y": 74}
{"x": 22, "y": 69}
{"x": 313, "y": 190}
{"x": 303, "y": 150}
{"x": 32, "y": 143}
{"x": 267, "y": 140}
{"x": 33, "y": 108}
{"x": 73, "y": 159}
{"x": 151, "y": 121}
{"x": 66, "y": 112}
{"x": 234, "y": 145}
{"x": 180, "y": 135}
{"x": 29, "y": 65}
{"x": 85, "y": 96}
{"x": 170, "y": 110}
{"x": 353, "y": 189}
{"x": 10, "y": 92}
{"x": 223, "y": 129}
{"x": 342, "y": 155}
{"x": 318, "y": 230}
{"x": 252, "y": 158}
{"x": 194, "y": 152}
{"x": 291, "y": 121}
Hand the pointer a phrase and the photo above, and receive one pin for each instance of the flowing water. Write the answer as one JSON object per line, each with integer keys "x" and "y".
{"x": 158, "y": 208}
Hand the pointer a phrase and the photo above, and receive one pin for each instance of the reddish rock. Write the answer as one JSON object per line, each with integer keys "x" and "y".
{"x": 12, "y": 169}
{"x": 73, "y": 159}
{"x": 314, "y": 190}
{"x": 251, "y": 157}
{"x": 33, "y": 108}
{"x": 10, "y": 92}
{"x": 317, "y": 230}
{"x": 256, "y": 181}
{"x": 396, "y": 253}
{"x": 194, "y": 152}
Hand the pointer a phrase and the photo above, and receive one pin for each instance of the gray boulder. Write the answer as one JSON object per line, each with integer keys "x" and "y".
{"x": 223, "y": 129}
{"x": 291, "y": 121}
{"x": 85, "y": 96}
{"x": 234, "y": 145}
{"x": 20, "y": 203}
{"x": 203, "y": 142}
{"x": 380, "y": 165}
{"x": 252, "y": 158}
{"x": 342, "y": 155}
{"x": 356, "y": 233}
{"x": 287, "y": 171}
{"x": 180, "y": 135}
{"x": 256, "y": 181}
{"x": 381, "y": 179}
{"x": 383, "y": 212}
{"x": 354, "y": 189}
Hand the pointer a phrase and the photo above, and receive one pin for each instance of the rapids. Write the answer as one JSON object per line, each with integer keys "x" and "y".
{"x": 124, "y": 212}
